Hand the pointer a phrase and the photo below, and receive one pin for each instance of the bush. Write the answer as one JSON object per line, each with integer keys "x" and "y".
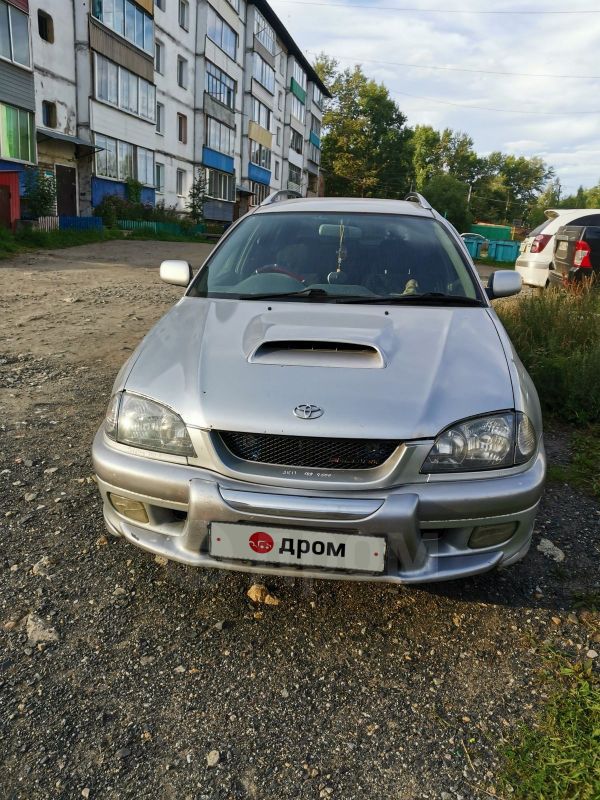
{"x": 557, "y": 337}
{"x": 40, "y": 192}
{"x": 114, "y": 207}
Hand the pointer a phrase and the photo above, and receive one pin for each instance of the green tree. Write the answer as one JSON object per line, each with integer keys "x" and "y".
{"x": 40, "y": 192}
{"x": 449, "y": 196}
{"x": 195, "y": 200}
{"x": 366, "y": 146}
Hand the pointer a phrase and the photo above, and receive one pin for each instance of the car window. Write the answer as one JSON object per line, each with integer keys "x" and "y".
{"x": 336, "y": 255}
{"x": 541, "y": 228}
{"x": 590, "y": 219}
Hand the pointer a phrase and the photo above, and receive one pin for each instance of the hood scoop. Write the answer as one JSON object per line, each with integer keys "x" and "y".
{"x": 318, "y": 353}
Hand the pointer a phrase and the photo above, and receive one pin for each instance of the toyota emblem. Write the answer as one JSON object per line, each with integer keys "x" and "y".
{"x": 307, "y": 411}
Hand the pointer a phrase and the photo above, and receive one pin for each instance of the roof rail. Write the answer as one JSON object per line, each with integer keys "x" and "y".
{"x": 415, "y": 197}
{"x": 282, "y": 194}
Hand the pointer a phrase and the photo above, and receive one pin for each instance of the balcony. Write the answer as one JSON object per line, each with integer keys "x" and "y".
{"x": 294, "y": 187}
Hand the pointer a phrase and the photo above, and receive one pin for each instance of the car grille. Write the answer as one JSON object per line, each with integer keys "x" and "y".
{"x": 308, "y": 451}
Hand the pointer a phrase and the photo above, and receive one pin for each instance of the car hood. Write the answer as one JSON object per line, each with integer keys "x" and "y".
{"x": 401, "y": 372}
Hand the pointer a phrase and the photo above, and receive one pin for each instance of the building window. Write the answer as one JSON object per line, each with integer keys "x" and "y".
{"x": 261, "y": 114}
{"x": 45, "y": 27}
{"x": 220, "y": 137}
{"x": 48, "y": 114}
{"x": 317, "y": 96}
{"x": 106, "y": 157}
{"x": 122, "y": 160}
{"x": 298, "y": 109}
{"x": 314, "y": 154}
{"x": 296, "y": 141}
{"x": 294, "y": 176}
{"x": 160, "y": 4}
{"x": 260, "y": 155}
{"x": 128, "y": 20}
{"x": 181, "y": 182}
{"x": 184, "y": 14}
{"x": 125, "y": 161}
{"x": 263, "y": 73}
{"x": 159, "y": 57}
{"x": 315, "y": 125}
{"x": 280, "y": 100}
{"x": 159, "y": 177}
{"x": 299, "y": 75}
{"x": 264, "y": 32}
{"x": 220, "y": 185}
{"x": 282, "y": 63}
{"x": 235, "y": 4}
{"x": 160, "y": 118}
{"x": 145, "y": 166}
{"x": 221, "y": 33}
{"x": 182, "y": 128}
{"x": 17, "y": 136}
{"x": 182, "y": 72}
{"x": 277, "y": 170}
{"x": 219, "y": 85}
{"x": 14, "y": 35}
{"x": 261, "y": 192}
{"x": 278, "y": 136}
{"x": 121, "y": 88}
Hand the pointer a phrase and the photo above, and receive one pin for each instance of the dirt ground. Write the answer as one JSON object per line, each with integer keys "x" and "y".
{"x": 121, "y": 677}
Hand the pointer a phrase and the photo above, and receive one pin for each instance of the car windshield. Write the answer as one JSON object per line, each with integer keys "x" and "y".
{"x": 332, "y": 257}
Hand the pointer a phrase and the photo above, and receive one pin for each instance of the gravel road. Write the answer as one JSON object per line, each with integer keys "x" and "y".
{"x": 122, "y": 677}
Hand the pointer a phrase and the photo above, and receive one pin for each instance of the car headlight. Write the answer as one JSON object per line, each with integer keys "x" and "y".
{"x": 140, "y": 422}
{"x": 490, "y": 442}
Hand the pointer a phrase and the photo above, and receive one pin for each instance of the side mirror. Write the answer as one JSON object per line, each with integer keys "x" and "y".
{"x": 179, "y": 273}
{"x": 504, "y": 283}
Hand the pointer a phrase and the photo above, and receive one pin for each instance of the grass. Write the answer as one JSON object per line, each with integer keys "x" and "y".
{"x": 584, "y": 470}
{"x": 558, "y": 757}
{"x": 557, "y": 336}
{"x": 22, "y": 241}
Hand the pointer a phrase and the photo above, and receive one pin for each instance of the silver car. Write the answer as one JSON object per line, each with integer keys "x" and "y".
{"x": 333, "y": 397}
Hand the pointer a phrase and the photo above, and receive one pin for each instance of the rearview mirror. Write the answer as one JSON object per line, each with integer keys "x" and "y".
{"x": 179, "y": 273}
{"x": 504, "y": 283}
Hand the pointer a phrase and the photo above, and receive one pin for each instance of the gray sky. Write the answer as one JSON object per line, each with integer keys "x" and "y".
{"x": 552, "y": 44}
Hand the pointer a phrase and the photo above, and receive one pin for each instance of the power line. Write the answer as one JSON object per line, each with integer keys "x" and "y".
{"x": 499, "y": 110}
{"x": 410, "y": 9}
{"x": 462, "y": 69}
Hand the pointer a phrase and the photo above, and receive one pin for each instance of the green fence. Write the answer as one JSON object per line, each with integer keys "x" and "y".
{"x": 170, "y": 228}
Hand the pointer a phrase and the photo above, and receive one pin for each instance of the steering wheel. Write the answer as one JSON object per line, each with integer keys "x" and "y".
{"x": 280, "y": 270}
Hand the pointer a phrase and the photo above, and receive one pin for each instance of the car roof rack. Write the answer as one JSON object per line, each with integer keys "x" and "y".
{"x": 415, "y": 197}
{"x": 282, "y": 194}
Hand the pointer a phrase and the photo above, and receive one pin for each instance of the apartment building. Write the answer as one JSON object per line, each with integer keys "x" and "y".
{"x": 158, "y": 90}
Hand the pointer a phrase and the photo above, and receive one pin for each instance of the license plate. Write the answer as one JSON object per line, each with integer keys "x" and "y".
{"x": 296, "y": 547}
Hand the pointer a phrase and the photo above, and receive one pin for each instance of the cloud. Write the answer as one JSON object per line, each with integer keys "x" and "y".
{"x": 551, "y": 44}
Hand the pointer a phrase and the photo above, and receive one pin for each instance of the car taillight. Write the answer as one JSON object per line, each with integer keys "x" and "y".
{"x": 582, "y": 255}
{"x": 540, "y": 241}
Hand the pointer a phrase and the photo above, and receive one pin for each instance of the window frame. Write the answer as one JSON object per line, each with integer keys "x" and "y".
{"x": 183, "y": 19}
{"x": 221, "y": 80}
{"x": 133, "y": 18}
{"x": 218, "y": 19}
{"x": 182, "y": 127}
{"x": 46, "y": 18}
{"x": 213, "y": 125}
{"x": 263, "y": 73}
{"x": 16, "y": 135}
{"x": 135, "y": 85}
{"x": 260, "y": 155}
{"x": 159, "y": 167}
{"x": 182, "y": 72}
{"x": 10, "y": 10}
{"x": 180, "y": 177}
{"x": 224, "y": 179}
{"x": 159, "y": 56}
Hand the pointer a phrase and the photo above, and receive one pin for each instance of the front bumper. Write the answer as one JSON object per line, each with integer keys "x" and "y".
{"x": 427, "y": 525}
{"x": 533, "y": 273}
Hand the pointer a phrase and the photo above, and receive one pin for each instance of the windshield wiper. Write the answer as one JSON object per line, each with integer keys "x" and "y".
{"x": 308, "y": 292}
{"x": 425, "y": 297}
